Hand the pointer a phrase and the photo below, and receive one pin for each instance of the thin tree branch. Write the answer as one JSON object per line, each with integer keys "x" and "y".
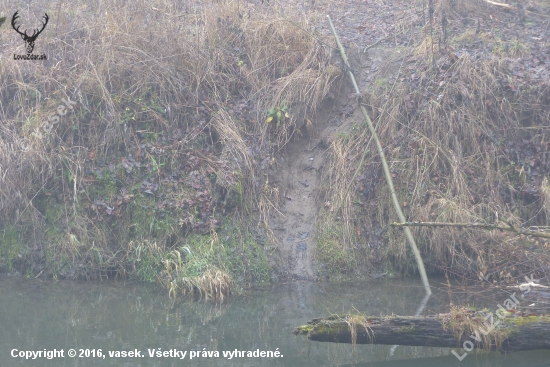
{"x": 507, "y": 6}
{"x": 491, "y": 227}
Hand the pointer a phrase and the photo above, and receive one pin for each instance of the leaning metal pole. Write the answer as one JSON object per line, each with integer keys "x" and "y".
{"x": 400, "y": 214}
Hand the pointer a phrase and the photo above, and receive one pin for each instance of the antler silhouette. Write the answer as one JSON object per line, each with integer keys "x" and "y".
{"x": 28, "y": 39}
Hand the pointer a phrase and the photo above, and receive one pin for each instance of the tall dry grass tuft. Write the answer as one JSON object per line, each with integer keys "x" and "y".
{"x": 462, "y": 322}
{"x": 213, "y": 283}
{"x": 335, "y": 227}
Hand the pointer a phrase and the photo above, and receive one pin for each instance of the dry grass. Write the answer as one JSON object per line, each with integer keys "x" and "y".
{"x": 449, "y": 151}
{"x": 180, "y": 68}
{"x": 462, "y": 323}
{"x": 457, "y": 174}
{"x": 336, "y": 224}
{"x": 213, "y": 284}
{"x": 357, "y": 320}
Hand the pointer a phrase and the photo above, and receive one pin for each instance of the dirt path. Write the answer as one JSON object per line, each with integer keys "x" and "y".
{"x": 299, "y": 175}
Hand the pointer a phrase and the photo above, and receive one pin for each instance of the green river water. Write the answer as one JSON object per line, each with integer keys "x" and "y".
{"x": 116, "y": 316}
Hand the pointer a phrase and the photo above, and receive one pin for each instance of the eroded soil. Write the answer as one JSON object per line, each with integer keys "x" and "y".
{"x": 301, "y": 163}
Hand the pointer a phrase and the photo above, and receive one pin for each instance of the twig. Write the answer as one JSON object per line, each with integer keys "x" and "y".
{"x": 509, "y": 224}
{"x": 538, "y": 14}
{"x": 507, "y": 6}
{"x": 274, "y": 207}
{"x": 543, "y": 35}
{"x": 168, "y": 15}
{"x": 510, "y": 228}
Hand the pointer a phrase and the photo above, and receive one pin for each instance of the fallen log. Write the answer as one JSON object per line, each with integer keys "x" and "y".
{"x": 463, "y": 329}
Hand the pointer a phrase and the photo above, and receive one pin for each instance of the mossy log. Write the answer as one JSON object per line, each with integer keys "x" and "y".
{"x": 518, "y": 333}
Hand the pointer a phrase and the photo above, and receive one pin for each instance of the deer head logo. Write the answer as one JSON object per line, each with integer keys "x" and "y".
{"x": 29, "y": 40}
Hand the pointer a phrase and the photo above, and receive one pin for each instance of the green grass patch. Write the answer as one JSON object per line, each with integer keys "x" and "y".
{"x": 336, "y": 261}
{"x": 10, "y": 248}
{"x": 212, "y": 265}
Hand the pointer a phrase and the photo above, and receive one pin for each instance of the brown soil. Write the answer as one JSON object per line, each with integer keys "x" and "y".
{"x": 298, "y": 174}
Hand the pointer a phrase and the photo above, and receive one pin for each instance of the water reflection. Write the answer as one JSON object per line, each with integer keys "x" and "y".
{"x": 37, "y": 315}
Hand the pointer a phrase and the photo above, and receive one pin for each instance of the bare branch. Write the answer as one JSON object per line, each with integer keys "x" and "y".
{"x": 507, "y": 6}
{"x": 490, "y": 227}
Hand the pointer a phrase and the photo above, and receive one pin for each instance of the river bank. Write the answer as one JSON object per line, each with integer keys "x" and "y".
{"x": 213, "y": 147}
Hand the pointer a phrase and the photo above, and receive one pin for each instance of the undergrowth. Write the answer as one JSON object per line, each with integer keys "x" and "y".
{"x": 166, "y": 126}
{"x": 466, "y": 141}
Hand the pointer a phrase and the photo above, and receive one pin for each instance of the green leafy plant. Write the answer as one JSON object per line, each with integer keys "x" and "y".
{"x": 278, "y": 114}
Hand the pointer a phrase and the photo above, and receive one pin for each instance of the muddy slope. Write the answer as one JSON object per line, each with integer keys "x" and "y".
{"x": 301, "y": 164}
